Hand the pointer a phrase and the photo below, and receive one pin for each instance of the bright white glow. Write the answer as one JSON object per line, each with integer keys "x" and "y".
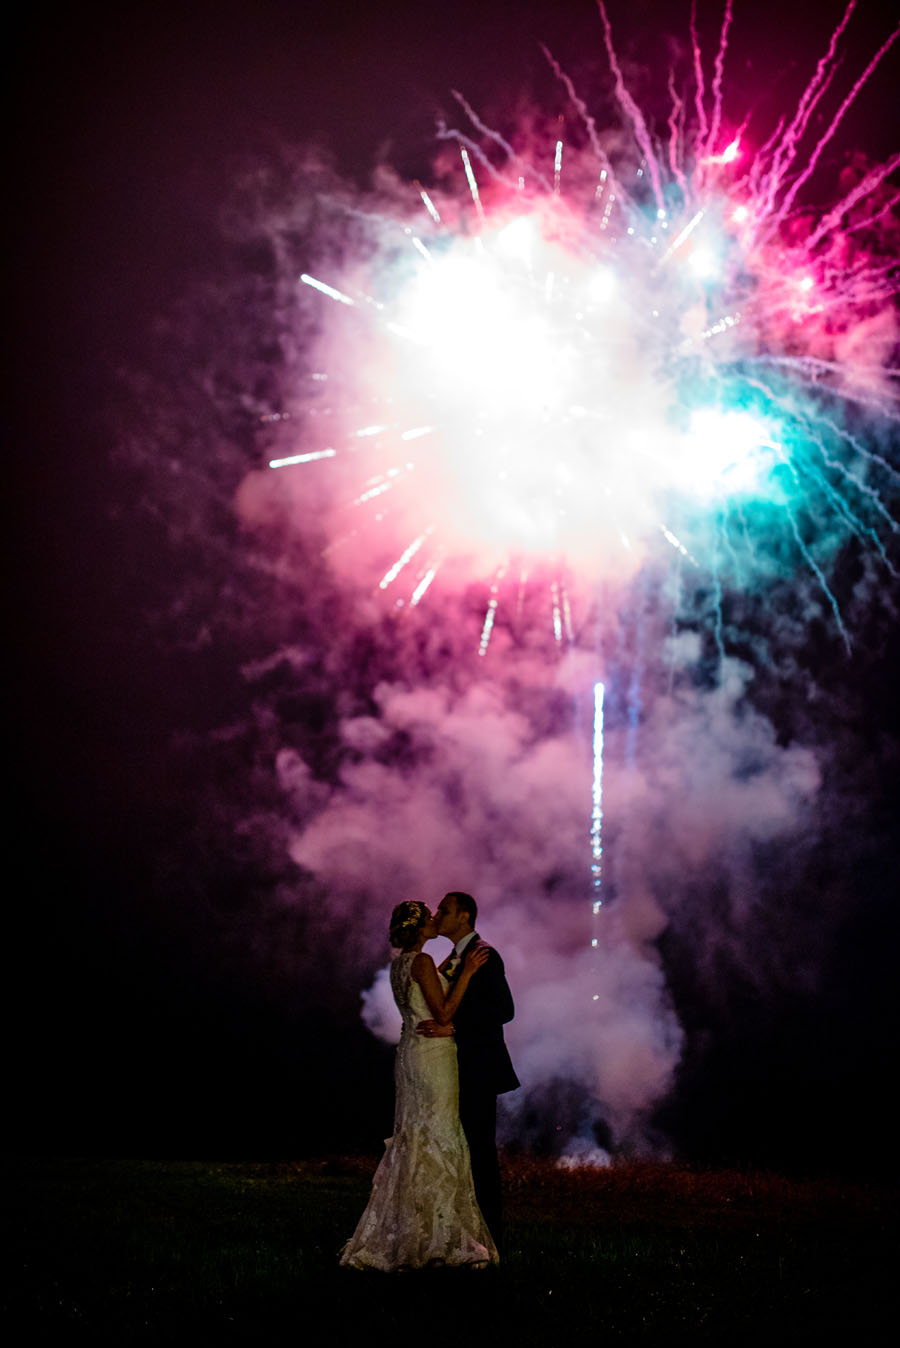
{"x": 728, "y": 155}
{"x": 602, "y": 285}
{"x": 517, "y": 239}
{"x": 486, "y": 338}
{"x": 704, "y": 263}
{"x": 726, "y": 450}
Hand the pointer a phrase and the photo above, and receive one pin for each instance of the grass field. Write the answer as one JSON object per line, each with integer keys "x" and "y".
{"x": 140, "y": 1251}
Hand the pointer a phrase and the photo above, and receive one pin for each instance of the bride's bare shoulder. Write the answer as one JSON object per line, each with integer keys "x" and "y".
{"x": 421, "y": 965}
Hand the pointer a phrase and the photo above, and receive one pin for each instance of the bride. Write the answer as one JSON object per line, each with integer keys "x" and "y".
{"x": 422, "y": 1210}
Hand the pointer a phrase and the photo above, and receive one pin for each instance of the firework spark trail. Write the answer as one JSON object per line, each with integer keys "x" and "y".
{"x": 864, "y": 532}
{"x": 421, "y": 589}
{"x": 862, "y": 450}
{"x": 722, "y": 527}
{"x": 814, "y": 91}
{"x": 676, "y": 118}
{"x": 717, "y": 82}
{"x": 815, "y": 438}
{"x": 491, "y": 612}
{"x": 816, "y": 155}
{"x": 303, "y": 458}
{"x": 466, "y": 146}
{"x": 699, "y": 86}
{"x": 873, "y": 179}
{"x": 633, "y": 112}
{"x": 429, "y": 204}
{"x": 495, "y": 136}
{"x": 819, "y": 573}
{"x": 756, "y": 175}
{"x": 327, "y": 290}
{"x": 871, "y": 220}
{"x": 588, "y": 122}
{"x": 597, "y": 797}
{"x": 391, "y": 575}
{"x": 858, "y": 526}
{"x": 717, "y": 600}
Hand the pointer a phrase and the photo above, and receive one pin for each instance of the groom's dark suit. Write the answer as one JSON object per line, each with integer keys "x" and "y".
{"x": 485, "y": 1071}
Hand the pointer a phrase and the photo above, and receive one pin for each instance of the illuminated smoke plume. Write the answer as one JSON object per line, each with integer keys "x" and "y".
{"x": 600, "y": 411}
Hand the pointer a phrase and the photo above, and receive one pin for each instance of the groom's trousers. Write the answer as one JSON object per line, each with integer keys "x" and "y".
{"x": 478, "y": 1116}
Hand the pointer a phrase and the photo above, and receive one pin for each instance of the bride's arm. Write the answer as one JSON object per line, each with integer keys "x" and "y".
{"x": 423, "y": 971}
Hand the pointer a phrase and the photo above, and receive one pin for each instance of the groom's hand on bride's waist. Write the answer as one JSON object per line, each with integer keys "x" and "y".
{"x": 432, "y": 1029}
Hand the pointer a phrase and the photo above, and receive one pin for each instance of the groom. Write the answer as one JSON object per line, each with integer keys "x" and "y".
{"x": 485, "y": 1069}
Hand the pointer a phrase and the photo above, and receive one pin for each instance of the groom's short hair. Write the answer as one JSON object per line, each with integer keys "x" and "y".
{"x": 466, "y": 903}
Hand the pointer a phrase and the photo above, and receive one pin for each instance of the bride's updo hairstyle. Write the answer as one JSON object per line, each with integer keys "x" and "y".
{"x": 406, "y": 919}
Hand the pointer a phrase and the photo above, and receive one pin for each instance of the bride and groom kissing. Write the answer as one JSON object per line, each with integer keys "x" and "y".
{"x": 436, "y": 1193}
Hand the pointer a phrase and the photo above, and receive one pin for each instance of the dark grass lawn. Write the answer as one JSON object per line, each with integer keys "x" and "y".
{"x": 132, "y": 1251}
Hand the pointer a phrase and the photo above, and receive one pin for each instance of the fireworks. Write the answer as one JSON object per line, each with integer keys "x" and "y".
{"x": 558, "y": 379}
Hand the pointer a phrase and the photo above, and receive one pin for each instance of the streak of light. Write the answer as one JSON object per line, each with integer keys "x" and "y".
{"x": 302, "y": 458}
{"x": 473, "y": 185}
{"x": 429, "y": 204}
{"x": 597, "y": 799}
{"x": 327, "y": 290}
{"x": 404, "y": 558}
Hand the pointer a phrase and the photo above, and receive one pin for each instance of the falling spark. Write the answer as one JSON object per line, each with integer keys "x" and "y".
{"x": 404, "y": 558}
{"x": 473, "y": 185}
{"x": 419, "y": 592}
{"x": 597, "y": 801}
{"x": 303, "y": 458}
{"x": 327, "y": 290}
{"x": 429, "y": 204}
{"x": 491, "y": 613}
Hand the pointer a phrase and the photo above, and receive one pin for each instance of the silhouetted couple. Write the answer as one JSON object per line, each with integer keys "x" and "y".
{"x": 436, "y": 1193}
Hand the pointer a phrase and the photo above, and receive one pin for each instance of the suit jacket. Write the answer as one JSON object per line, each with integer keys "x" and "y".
{"x": 487, "y": 1005}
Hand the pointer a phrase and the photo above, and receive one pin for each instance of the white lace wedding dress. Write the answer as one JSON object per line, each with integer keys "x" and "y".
{"x": 422, "y": 1210}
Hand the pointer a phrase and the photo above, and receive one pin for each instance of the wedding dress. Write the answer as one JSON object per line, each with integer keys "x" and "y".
{"x": 422, "y": 1210}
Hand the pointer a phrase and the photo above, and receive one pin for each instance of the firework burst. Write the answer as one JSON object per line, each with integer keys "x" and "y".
{"x": 589, "y": 352}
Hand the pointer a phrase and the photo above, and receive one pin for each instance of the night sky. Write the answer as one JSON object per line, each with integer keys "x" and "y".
{"x": 228, "y": 766}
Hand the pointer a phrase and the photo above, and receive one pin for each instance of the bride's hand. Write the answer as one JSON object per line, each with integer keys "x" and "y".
{"x": 475, "y": 956}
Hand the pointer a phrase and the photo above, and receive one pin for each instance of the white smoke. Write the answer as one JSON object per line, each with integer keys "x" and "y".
{"x": 482, "y": 802}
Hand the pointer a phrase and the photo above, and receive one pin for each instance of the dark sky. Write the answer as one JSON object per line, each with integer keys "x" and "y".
{"x": 142, "y": 1027}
